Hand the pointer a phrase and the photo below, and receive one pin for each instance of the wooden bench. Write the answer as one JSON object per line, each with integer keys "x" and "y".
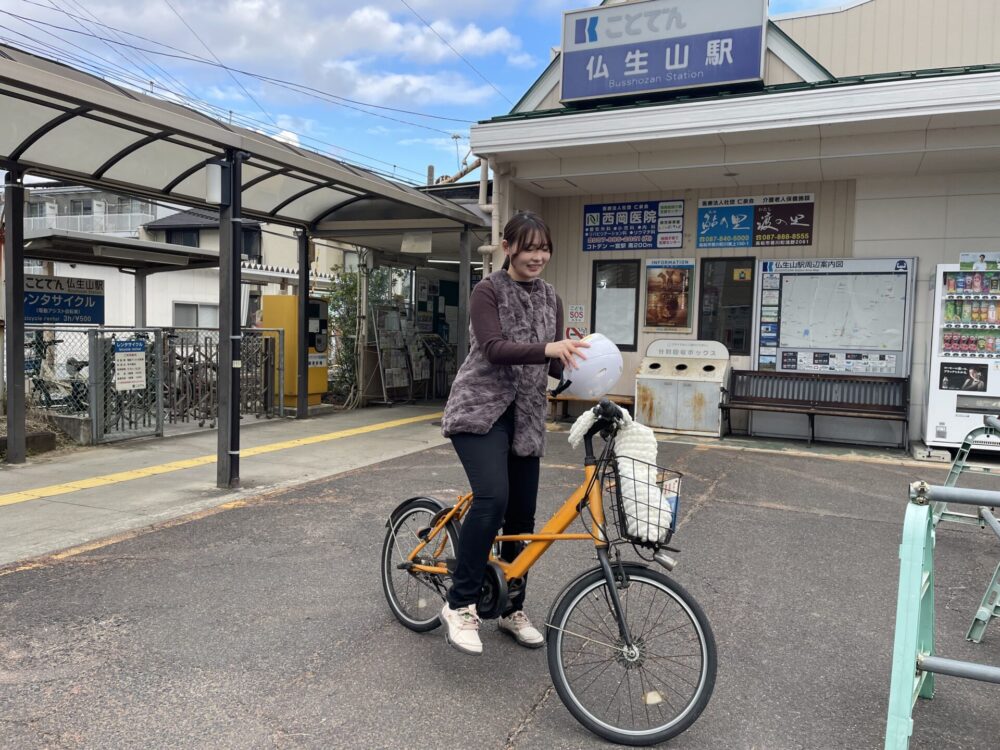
{"x": 818, "y": 393}
{"x": 561, "y": 404}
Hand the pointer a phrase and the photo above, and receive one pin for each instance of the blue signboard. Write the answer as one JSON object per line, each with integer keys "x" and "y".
{"x": 130, "y": 346}
{"x": 661, "y": 45}
{"x": 725, "y": 226}
{"x": 57, "y": 299}
{"x": 640, "y": 225}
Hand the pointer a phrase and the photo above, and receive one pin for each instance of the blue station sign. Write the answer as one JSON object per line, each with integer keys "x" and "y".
{"x": 661, "y": 45}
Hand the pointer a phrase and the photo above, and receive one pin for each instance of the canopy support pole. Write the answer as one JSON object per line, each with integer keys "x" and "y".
{"x": 14, "y": 336}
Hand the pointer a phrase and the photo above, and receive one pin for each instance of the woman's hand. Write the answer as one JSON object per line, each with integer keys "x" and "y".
{"x": 565, "y": 350}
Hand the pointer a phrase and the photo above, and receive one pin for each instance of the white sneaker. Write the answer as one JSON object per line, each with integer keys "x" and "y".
{"x": 519, "y": 626}
{"x": 461, "y": 628}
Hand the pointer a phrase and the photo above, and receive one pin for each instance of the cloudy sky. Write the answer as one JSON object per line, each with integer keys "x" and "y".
{"x": 390, "y": 84}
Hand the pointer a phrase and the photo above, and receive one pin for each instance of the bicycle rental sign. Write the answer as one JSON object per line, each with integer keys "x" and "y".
{"x": 63, "y": 300}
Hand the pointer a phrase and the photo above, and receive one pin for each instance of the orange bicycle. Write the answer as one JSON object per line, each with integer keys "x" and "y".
{"x": 630, "y": 652}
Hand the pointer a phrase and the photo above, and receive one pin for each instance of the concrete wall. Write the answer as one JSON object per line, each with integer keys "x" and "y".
{"x": 570, "y": 269}
{"x": 934, "y": 219}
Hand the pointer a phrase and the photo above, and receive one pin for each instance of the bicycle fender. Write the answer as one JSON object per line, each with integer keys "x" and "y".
{"x": 441, "y": 505}
{"x": 629, "y": 568}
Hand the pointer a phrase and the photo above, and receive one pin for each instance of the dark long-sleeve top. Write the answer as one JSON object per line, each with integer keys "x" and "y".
{"x": 498, "y": 351}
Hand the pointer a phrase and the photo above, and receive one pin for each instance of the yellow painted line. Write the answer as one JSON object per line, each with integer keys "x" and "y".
{"x": 53, "y": 490}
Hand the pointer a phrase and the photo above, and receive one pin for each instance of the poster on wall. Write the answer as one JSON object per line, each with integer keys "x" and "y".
{"x": 668, "y": 289}
{"x": 761, "y": 221}
{"x": 640, "y": 225}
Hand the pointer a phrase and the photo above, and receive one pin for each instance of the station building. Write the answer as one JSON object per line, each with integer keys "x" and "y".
{"x": 875, "y": 123}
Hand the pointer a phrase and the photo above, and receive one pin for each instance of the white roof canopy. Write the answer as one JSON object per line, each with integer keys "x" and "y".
{"x": 63, "y": 123}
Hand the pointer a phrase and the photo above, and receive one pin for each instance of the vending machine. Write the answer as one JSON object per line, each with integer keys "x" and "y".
{"x": 964, "y": 378}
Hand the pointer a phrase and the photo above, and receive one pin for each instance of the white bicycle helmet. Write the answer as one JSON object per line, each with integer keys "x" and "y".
{"x": 598, "y": 373}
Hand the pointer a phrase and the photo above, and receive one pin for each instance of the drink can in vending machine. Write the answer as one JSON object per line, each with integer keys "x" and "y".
{"x": 977, "y": 282}
{"x": 949, "y": 311}
{"x": 968, "y": 282}
{"x": 960, "y": 283}
{"x": 949, "y": 283}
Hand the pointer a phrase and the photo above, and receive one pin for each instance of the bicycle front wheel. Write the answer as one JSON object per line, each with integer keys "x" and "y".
{"x": 638, "y": 696}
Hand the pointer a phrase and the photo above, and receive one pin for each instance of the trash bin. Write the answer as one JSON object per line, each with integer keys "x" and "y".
{"x": 679, "y": 386}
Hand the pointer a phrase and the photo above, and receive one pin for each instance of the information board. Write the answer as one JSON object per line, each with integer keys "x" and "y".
{"x": 837, "y": 311}
{"x": 130, "y": 365}
{"x": 835, "y": 315}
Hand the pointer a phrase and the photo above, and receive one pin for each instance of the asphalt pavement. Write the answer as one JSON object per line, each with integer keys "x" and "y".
{"x": 262, "y": 624}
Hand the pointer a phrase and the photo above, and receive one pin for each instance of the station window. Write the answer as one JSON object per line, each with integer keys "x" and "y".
{"x": 615, "y": 301}
{"x": 193, "y": 315}
{"x": 82, "y": 207}
{"x": 726, "y": 302}
{"x": 34, "y": 210}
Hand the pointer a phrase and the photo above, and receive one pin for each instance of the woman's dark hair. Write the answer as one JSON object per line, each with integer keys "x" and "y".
{"x": 520, "y": 230}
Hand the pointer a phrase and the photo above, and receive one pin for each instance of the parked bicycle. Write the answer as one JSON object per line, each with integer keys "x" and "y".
{"x": 630, "y": 651}
{"x": 69, "y": 394}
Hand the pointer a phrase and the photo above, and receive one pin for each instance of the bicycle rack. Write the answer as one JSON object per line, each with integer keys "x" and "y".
{"x": 914, "y": 663}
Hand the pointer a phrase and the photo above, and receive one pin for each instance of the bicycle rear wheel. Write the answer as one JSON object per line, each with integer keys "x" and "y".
{"x": 416, "y": 598}
{"x": 633, "y": 698}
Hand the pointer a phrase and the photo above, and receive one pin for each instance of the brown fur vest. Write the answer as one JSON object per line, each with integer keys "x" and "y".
{"x": 482, "y": 391}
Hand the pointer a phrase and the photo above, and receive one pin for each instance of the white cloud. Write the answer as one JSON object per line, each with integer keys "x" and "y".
{"x": 522, "y": 60}
{"x": 439, "y": 144}
{"x": 286, "y": 136}
{"x": 225, "y": 94}
{"x": 410, "y": 89}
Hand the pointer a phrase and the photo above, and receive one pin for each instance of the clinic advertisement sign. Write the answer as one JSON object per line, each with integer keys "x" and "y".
{"x": 60, "y": 299}
{"x": 661, "y": 45}
{"x": 762, "y": 221}
{"x": 641, "y": 225}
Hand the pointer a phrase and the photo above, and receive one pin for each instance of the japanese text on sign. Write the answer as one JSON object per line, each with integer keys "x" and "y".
{"x": 58, "y": 299}
{"x": 766, "y": 221}
{"x": 660, "y": 45}
{"x": 644, "y": 225}
{"x": 130, "y": 365}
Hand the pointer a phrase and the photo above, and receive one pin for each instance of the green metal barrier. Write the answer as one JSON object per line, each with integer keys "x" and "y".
{"x": 990, "y": 606}
{"x": 913, "y": 660}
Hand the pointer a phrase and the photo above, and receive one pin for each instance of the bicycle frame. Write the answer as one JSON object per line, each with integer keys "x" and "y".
{"x": 588, "y": 494}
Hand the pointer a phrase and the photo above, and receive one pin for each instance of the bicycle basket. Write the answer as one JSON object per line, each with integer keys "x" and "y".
{"x": 646, "y": 499}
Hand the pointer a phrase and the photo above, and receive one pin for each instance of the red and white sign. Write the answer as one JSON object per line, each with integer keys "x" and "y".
{"x": 577, "y": 332}
{"x": 576, "y": 315}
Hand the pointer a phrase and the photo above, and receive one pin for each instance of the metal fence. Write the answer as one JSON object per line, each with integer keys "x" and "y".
{"x": 107, "y": 384}
{"x": 192, "y": 355}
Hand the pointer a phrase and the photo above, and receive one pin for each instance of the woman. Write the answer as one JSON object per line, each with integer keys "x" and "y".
{"x": 495, "y": 417}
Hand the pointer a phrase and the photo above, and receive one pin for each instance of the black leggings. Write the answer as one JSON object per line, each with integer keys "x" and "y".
{"x": 505, "y": 490}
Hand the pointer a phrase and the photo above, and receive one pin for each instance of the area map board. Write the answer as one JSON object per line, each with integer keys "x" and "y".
{"x": 661, "y": 45}
{"x": 847, "y": 315}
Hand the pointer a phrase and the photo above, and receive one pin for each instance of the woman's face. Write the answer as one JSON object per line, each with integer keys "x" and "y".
{"x": 528, "y": 262}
